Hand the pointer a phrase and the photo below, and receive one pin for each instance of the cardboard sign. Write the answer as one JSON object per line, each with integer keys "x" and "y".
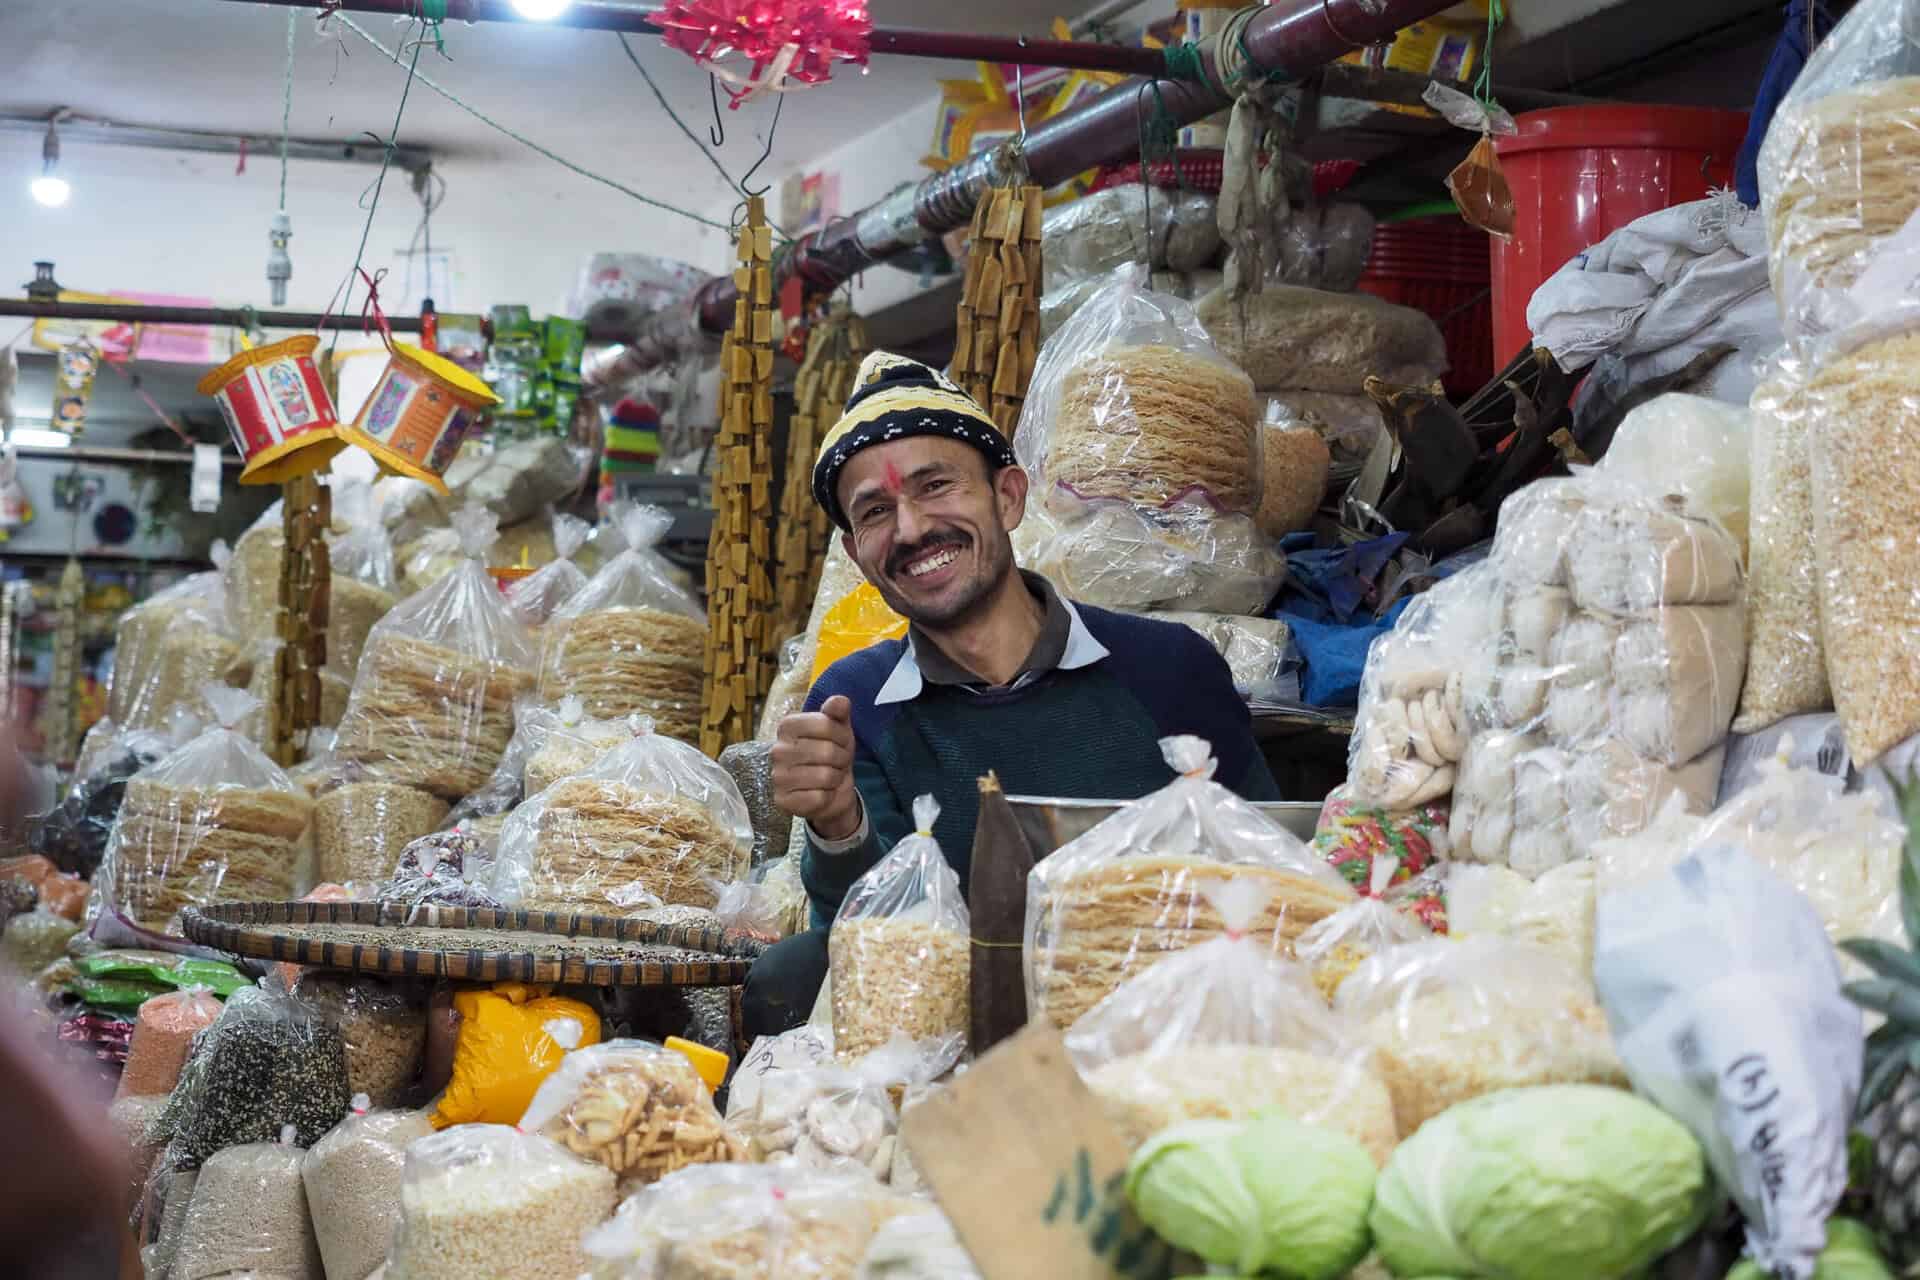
{"x": 1030, "y": 1171}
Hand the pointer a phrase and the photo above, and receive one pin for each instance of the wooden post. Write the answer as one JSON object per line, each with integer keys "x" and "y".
{"x": 306, "y": 590}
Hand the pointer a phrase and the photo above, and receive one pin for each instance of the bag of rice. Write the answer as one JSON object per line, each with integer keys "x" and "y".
{"x": 1112, "y": 902}
{"x": 537, "y": 595}
{"x": 432, "y": 705}
{"x": 1230, "y": 995}
{"x": 249, "y": 1216}
{"x": 631, "y": 641}
{"x": 213, "y": 821}
{"x": 352, "y": 1181}
{"x": 898, "y": 951}
{"x": 654, "y": 821}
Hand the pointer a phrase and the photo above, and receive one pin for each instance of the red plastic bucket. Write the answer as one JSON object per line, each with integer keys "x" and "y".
{"x": 1580, "y": 173}
{"x": 1439, "y": 265}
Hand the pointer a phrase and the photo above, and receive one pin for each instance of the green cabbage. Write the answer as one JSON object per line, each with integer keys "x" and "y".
{"x": 1851, "y": 1254}
{"x": 1272, "y": 1197}
{"x": 1541, "y": 1184}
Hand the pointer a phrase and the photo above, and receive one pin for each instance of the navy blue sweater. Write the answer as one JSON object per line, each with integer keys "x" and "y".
{"x": 1088, "y": 734}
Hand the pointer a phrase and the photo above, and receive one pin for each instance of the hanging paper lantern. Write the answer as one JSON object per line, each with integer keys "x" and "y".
{"x": 418, "y": 414}
{"x": 782, "y": 40}
{"x": 277, "y": 410}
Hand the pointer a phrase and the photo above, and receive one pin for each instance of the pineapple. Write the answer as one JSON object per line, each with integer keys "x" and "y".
{"x": 1890, "y": 1092}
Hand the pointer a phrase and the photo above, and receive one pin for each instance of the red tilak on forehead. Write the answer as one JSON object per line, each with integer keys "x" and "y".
{"x": 893, "y": 479}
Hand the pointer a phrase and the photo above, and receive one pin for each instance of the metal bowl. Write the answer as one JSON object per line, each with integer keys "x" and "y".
{"x": 1051, "y": 821}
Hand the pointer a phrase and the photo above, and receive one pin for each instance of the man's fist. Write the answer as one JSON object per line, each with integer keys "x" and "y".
{"x": 813, "y": 769}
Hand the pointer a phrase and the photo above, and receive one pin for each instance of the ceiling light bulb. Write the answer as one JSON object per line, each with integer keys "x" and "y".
{"x": 51, "y": 191}
{"x": 541, "y": 10}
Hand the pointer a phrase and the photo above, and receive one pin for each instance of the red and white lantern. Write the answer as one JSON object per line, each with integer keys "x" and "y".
{"x": 277, "y": 409}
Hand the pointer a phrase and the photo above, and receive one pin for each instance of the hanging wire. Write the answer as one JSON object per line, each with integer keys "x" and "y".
{"x": 779, "y": 102}
{"x": 286, "y": 106}
{"x": 1483, "y": 83}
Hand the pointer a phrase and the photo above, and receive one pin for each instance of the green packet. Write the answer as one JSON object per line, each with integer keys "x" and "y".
{"x": 115, "y": 993}
{"x": 174, "y": 972}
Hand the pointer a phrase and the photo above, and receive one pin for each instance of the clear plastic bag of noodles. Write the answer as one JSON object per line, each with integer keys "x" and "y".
{"x": 1115, "y": 900}
{"x": 898, "y": 952}
{"x": 1130, "y": 400}
{"x": 1112, "y": 553}
{"x": 631, "y": 641}
{"x": 654, "y": 821}
{"x": 170, "y": 645}
{"x": 1837, "y": 175}
{"x": 1412, "y": 726}
{"x": 537, "y": 595}
{"x": 1224, "y": 1028}
{"x": 432, "y": 704}
{"x": 1452, "y": 1020}
{"x": 549, "y": 742}
{"x": 723, "y": 1220}
{"x": 212, "y": 821}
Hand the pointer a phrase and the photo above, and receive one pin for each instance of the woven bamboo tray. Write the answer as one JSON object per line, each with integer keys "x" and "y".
{"x": 476, "y": 945}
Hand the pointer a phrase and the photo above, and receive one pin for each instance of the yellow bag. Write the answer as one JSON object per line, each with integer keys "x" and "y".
{"x": 861, "y": 618}
{"x": 506, "y": 1047}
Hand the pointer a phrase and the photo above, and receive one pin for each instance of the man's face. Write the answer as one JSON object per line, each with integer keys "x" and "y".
{"x": 930, "y": 525}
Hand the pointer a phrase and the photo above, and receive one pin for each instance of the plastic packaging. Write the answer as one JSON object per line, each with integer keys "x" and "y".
{"x": 361, "y": 581}
{"x": 444, "y": 869}
{"x": 167, "y": 648}
{"x": 74, "y": 833}
{"x": 750, "y": 764}
{"x": 35, "y": 939}
{"x": 1233, "y": 1001}
{"x": 162, "y": 1038}
{"x": 213, "y": 821}
{"x": 639, "y": 1109}
{"x": 487, "y": 1202}
{"x": 1111, "y": 902}
{"x": 432, "y": 705}
{"x": 352, "y": 1181}
{"x": 1837, "y": 184}
{"x": 898, "y": 949}
{"x": 1176, "y": 231}
{"x": 1699, "y": 448}
{"x": 1349, "y": 424}
{"x": 1786, "y": 652}
{"x": 1295, "y": 464}
{"x": 1324, "y": 246}
{"x": 1355, "y": 839}
{"x": 1130, "y": 400}
{"x": 384, "y": 1031}
{"x": 1116, "y": 555}
{"x": 363, "y": 548}
{"x": 1308, "y": 340}
{"x": 745, "y": 1220}
{"x": 360, "y": 828}
{"x": 512, "y": 1038}
{"x": 1866, "y": 504}
{"x": 268, "y": 1061}
{"x": 537, "y": 595}
{"x": 631, "y": 641}
{"x": 824, "y": 1114}
{"x": 1453, "y": 1020}
{"x": 1338, "y": 945}
{"x": 249, "y": 1216}
{"x": 555, "y": 741}
{"x": 655, "y": 821}
{"x": 917, "y": 1246}
{"x": 1729, "y": 1015}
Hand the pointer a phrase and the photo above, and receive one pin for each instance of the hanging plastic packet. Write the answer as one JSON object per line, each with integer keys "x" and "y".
{"x": 1478, "y": 183}
{"x": 898, "y": 950}
{"x": 1220, "y": 1030}
{"x": 1725, "y": 1001}
{"x": 537, "y": 595}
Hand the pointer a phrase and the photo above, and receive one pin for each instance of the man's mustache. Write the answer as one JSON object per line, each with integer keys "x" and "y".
{"x": 897, "y": 562}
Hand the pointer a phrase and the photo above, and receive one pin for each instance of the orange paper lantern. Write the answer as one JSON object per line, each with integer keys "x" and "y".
{"x": 419, "y": 412}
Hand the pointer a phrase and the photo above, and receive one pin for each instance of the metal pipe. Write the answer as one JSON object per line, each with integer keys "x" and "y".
{"x": 1286, "y": 37}
{"x": 135, "y": 313}
{"x": 108, "y": 133}
{"x": 104, "y": 453}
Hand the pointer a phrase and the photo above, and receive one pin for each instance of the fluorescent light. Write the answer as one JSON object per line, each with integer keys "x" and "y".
{"x": 37, "y": 438}
{"x": 51, "y": 191}
{"x": 541, "y": 10}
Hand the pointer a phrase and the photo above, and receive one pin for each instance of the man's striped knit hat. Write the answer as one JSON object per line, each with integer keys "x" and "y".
{"x": 895, "y": 397}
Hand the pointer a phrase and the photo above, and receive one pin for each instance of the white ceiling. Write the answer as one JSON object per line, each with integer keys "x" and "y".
{"x": 213, "y": 64}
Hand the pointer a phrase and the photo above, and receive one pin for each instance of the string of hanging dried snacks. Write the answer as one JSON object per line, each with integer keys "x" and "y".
{"x": 305, "y": 599}
{"x": 740, "y": 643}
{"x": 825, "y": 380}
{"x": 998, "y": 326}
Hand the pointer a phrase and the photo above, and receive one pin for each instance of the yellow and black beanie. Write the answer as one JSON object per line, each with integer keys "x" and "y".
{"x": 894, "y": 397}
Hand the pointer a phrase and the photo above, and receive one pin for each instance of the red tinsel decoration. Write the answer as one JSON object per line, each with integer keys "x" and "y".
{"x": 782, "y": 39}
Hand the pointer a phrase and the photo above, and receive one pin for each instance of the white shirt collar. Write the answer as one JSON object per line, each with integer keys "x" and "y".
{"x": 906, "y": 684}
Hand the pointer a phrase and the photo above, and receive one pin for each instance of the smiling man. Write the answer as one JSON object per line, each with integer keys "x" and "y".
{"x": 997, "y": 671}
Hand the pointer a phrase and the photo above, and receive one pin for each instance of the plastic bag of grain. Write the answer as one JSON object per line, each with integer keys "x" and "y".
{"x": 213, "y": 821}
{"x": 1229, "y": 996}
{"x": 1690, "y": 445}
{"x": 384, "y": 1031}
{"x": 352, "y": 1180}
{"x": 1130, "y": 400}
{"x": 537, "y": 595}
{"x": 1313, "y": 341}
{"x": 163, "y": 1035}
{"x": 1452, "y": 1020}
{"x": 631, "y": 641}
{"x": 1112, "y": 902}
{"x": 654, "y": 819}
{"x": 361, "y": 825}
{"x": 898, "y": 951}
{"x": 487, "y": 1202}
{"x": 167, "y": 647}
{"x": 249, "y": 1214}
{"x": 432, "y": 705}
